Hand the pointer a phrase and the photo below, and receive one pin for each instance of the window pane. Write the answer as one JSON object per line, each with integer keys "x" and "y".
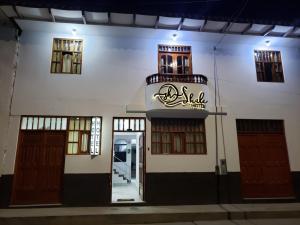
{"x": 70, "y": 148}
{"x": 64, "y": 124}
{"x": 121, "y": 127}
{"x": 177, "y": 143}
{"x": 82, "y": 123}
{"x": 166, "y": 137}
{"x": 163, "y": 60}
{"x": 132, "y": 124}
{"x": 88, "y": 124}
{"x": 76, "y": 123}
{"x": 155, "y": 137}
{"x": 186, "y": 61}
{"x": 75, "y": 148}
{"x": 170, "y": 60}
{"x": 71, "y": 134}
{"x": 142, "y": 124}
{"x": 199, "y": 137}
{"x": 24, "y": 123}
{"x": 84, "y": 142}
{"x": 189, "y": 137}
{"x": 47, "y": 123}
{"x": 170, "y": 64}
{"x": 156, "y": 148}
{"x": 179, "y": 64}
{"x": 58, "y": 123}
{"x": 75, "y": 136}
{"x": 179, "y": 60}
{"x": 29, "y": 123}
{"x": 126, "y": 124}
{"x": 190, "y": 148}
{"x": 116, "y": 121}
{"x": 166, "y": 148}
{"x": 71, "y": 124}
{"x": 200, "y": 148}
{"x": 66, "y": 66}
{"x": 35, "y": 123}
{"x": 41, "y": 123}
{"x": 137, "y": 124}
{"x": 53, "y": 123}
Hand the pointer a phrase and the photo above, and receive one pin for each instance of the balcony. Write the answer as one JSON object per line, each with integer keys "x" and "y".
{"x": 186, "y": 78}
{"x": 177, "y": 96}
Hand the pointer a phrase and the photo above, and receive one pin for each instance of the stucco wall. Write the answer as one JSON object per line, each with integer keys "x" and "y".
{"x": 7, "y": 56}
{"x": 113, "y": 76}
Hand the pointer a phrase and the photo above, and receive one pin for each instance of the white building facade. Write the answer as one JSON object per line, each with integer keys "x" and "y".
{"x": 250, "y": 128}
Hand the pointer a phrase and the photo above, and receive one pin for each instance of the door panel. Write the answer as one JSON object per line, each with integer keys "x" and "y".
{"x": 39, "y": 167}
{"x": 264, "y": 165}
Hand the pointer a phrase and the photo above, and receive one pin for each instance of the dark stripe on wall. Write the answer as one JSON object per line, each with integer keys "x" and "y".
{"x": 181, "y": 188}
{"x": 6, "y": 184}
{"x": 296, "y": 182}
{"x": 201, "y": 188}
{"x": 230, "y": 188}
{"x": 86, "y": 189}
{"x": 161, "y": 188}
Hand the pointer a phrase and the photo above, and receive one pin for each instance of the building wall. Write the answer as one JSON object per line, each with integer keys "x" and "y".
{"x": 7, "y": 59}
{"x": 116, "y": 62}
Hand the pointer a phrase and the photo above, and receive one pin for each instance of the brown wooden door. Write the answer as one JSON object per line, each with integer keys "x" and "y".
{"x": 39, "y": 167}
{"x": 265, "y": 171}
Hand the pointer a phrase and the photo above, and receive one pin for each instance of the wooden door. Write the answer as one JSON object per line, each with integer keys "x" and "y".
{"x": 265, "y": 171}
{"x": 141, "y": 166}
{"x": 39, "y": 167}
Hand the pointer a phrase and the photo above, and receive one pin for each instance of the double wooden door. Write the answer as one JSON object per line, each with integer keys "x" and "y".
{"x": 39, "y": 167}
{"x": 265, "y": 170}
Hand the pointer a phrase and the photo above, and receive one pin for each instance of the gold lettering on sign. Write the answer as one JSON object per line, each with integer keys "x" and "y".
{"x": 170, "y": 96}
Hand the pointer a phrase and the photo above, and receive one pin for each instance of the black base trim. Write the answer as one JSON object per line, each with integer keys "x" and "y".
{"x": 161, "y": 189}
{"x": 181, "y": 188}
{"x": 6, "y": 184}
{"x": 86, "y": 189}
{"x": 203, "y": 188}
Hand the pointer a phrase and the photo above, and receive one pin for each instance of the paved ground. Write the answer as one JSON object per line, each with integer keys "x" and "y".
{"x": 239, "y": 214}
{"x": 236, "y": 222}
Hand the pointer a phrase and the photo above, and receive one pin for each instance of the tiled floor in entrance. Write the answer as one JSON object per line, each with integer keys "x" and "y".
{"x": 125, "y": 192}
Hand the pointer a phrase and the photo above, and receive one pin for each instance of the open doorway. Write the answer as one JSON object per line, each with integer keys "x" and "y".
{"x": 127, "y": 167}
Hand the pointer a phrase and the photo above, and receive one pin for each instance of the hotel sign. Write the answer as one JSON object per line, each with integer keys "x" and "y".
{"x": 95, "y": 136}
{"x": 171, "y": 96}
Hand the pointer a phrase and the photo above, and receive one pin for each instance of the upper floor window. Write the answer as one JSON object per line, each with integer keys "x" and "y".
{"x": 66, "y": 56}
{"x": 268, "y": 66}
{"x": 174, "y": 59}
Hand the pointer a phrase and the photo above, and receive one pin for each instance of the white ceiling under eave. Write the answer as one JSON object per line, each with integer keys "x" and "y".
{"x": 67, "y": 15}
{"x": 96, "y": 18}
{"x": 192, "y": 24}
{"x": 147, "y": 21}
{"x": 33, "y": 13}
{"x": 144, "y": 20}
{"x": 121, "y": 19}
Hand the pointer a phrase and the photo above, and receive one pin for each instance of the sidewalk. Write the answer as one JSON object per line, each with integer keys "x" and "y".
{"x": 147, "y": 214}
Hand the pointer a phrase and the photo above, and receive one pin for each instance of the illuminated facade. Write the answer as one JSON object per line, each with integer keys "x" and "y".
{"x": 185, "y": 120}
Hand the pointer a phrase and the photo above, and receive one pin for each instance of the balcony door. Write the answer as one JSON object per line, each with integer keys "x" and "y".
{"x": 175, "y": 60}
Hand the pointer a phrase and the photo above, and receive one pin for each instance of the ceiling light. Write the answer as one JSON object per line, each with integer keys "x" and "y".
{"x": 74, "y": 32}
{"x": 268, "y": 43}
{"x": 174, "y": 36}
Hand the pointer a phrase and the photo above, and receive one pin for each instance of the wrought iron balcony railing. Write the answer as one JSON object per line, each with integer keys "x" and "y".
{"x": 186, "y": 78}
